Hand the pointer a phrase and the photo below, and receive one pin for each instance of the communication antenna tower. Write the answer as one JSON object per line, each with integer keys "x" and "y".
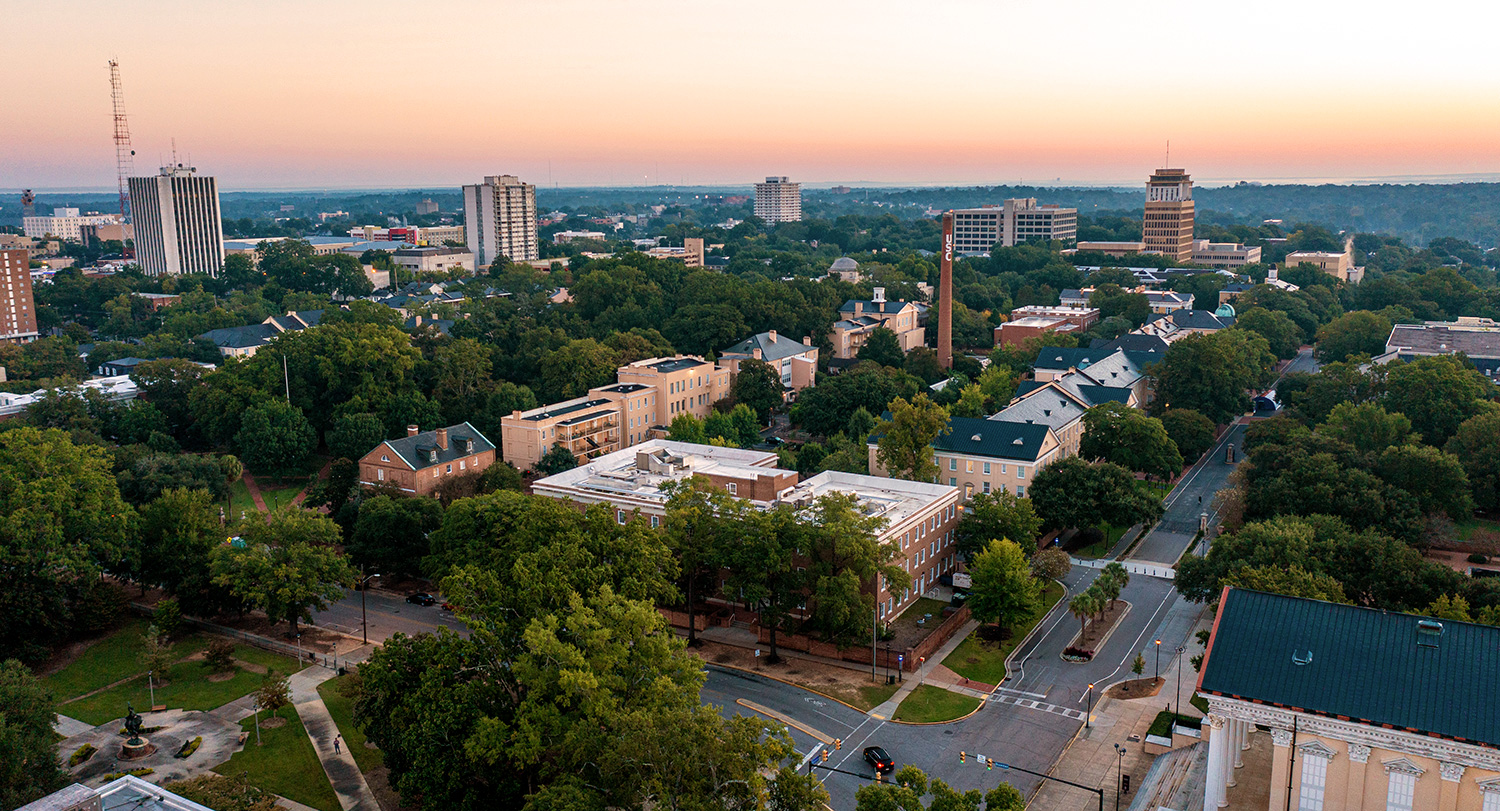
{"x": 28, "y": 203}
{"x": 124, "y": 155}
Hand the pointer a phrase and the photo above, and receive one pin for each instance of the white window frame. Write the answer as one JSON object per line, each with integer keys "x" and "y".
{"x": 1401, "y": 788}
{"x": 1313, "y": 784}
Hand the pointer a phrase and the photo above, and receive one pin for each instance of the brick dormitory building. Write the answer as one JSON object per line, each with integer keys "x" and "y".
{"x": 421, "y": 461}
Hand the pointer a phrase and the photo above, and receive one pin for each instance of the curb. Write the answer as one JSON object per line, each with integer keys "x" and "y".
{"x": 788, "y": 682}
{"x": 1105, "y": 640}
{"x": 965, "y": 716}
{"x": 1061, "y": 601}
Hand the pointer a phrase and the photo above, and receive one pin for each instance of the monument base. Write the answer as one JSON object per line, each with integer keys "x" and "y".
{"x": 135, "y": 749}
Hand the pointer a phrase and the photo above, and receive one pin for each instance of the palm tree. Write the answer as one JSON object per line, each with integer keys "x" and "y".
{"x": 1119, "y": 578}
{"x": 1082, "y": 607}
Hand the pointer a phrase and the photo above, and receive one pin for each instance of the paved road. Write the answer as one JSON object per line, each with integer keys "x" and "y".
{"x": 388, "y": 614}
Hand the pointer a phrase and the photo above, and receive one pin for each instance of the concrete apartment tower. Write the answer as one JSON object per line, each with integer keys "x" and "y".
{"x": 177, "y": 224}
{"x": 500, "y": 220}
{"x": 1168, "y": 224}
{"x": 945, "y": 296}
{"x": 778, "y": 200}
{"x": 17, "y": 310}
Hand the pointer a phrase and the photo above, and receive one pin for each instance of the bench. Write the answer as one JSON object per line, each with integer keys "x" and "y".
{"x": 158, "y": 708}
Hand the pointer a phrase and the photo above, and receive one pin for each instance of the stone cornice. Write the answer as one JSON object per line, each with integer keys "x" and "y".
{"x": 1353, "y": 732}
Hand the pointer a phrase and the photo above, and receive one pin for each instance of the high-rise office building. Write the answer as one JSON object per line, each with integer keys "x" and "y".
{"x": 976, "y": 231}
{"x": 1168, "y": 224}
{"x": 177, "y": 224}
{"x": 17, "y": 310}
{"x": 65, "y": 223}
{"x": 778, "y": 200}
{"x": 500, "y": 220}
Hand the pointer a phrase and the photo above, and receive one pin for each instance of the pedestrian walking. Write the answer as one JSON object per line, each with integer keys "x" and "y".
{"x": 336, "y": 739}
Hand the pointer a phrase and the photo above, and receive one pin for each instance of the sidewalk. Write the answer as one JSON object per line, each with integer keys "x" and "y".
{"x": 68, "y": 727}
{"x": 343, "y": 774}
{"x": 888, "y": 709}
{"x": 254, "y": 489}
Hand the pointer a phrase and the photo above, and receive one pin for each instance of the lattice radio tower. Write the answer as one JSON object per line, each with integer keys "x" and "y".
{"x": 124, "y": 155}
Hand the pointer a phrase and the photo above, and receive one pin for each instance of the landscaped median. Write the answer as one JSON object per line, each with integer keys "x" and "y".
{"x": 934, "y": 705}
{"x": 983, "y": 660}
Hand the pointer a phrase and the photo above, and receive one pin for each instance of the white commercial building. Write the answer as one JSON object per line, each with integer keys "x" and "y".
{"x": 778, "y": 200}
{"x": 500, "y": 219}
{"x": 65, "y": 223}
{"x": 177, "y": 224}
{"x": 976, "y": 231}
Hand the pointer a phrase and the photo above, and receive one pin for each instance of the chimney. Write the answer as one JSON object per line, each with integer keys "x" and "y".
{"x": 807, "y": 340}
{"x": 772, "y": 333}
{"x": 442, "y": 438}
{"x": 859, "y": 308}
{"x": 757, "y": 353}
{"x": 411, "y": 430}
{"x": 879, "y": 295}
{"x": 945, "y": 296}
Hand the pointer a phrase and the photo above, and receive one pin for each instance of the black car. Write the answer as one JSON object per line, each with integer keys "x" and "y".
{"x": 421, "y": 598}
{"x": 879, "y": 760}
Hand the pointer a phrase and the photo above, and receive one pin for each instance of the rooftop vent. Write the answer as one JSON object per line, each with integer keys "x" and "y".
{"x": 1302, "y": 657}
{"x": 1429, "y": 632}
{"x": 974, "y": 438}
{"x": 1017, "y": 441}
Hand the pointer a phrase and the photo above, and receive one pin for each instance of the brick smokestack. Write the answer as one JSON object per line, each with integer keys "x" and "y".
{"x": 945, "y": 296}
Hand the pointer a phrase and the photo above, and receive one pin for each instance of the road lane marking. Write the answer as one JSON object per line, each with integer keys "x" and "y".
{"x": 1041, "y": 706}
{"x": 785, "y": 719}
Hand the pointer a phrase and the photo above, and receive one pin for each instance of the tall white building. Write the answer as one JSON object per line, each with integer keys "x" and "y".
{"x": 978, "y": 230}
{"x": 65, "y": 223}
{"x": 778, "y": 200}
{"x": 500, "y": 220}
{"x": 177, "y": 224}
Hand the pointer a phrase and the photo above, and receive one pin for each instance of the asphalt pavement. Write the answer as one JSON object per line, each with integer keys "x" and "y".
{"x": 387, "y": 614}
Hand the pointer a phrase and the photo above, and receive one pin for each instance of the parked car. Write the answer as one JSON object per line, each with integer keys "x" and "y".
{"x": 879, "y": 760}
{"x": 421, "y": 598}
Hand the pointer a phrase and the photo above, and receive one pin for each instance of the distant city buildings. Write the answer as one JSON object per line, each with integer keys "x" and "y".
{"x": 433, "y": 259}
{"x": 416, "y": 235}
{"x": 690, "y": 254}
{"x": 1224, "y": 255}
{"x": 500, "y": 220}
{"x": 65, "y": 223}
{"x": 17, "y": 309}
{"x": 1161, "y": 301}
{"x": 778, "y": 200}
{"x": 564, "y": 237}
{"x": 1114, "y": 250}
{"x": 859, "y": 318}
{"x": 1037, "y": 320}
{"x": 427, "y": 206}
{"x": 1167, "y": 227}
{"x": 178, "y": 227}
{"x": 976, "y": 231}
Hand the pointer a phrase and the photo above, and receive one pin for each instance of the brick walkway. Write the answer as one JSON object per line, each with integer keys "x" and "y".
{"x": 255, "y": 496}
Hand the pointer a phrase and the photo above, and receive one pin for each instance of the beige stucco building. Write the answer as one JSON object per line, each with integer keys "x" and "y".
{"x": 1167, "y": 226}
{"x": 986, "y": 456}
{"x": 859, "y": 318}
{"x": 796, "y": 361}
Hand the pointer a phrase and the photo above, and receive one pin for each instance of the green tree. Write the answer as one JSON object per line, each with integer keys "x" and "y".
{"x": 699, "y": 521}
{"x": 760, "y": 548}
{"x": 970, "y": 402}
{"x": 177, "y": 531}
{"x": 1435, "y": 478}
{"x": 844, "y": 552}
{"x": 1437, "y": 394}
{"x": 1051, "y": 563}
{"x": 274, "y": 692}
{"x": 825, "y": 409}
{"x": 275, "y": 437}
{"x": 1211, "y": 373}
{"x": 1004, "y": 591}
{"x": 1112, "y": 301}
{"x": 574, "y": 368}
{"x": 61, "y": 522}
{"x": 556, "y": 460}
{"x": 1115, "y": 432}
{"x": 686, "y": 427}
{"x": 1369, "y": 428}
{"x": 905, "y": 447}
{"x": 28, "y": 750}
{"x": 156, "y": 652}
{"x": 168, "y": 616}
{"x": 354, "y": 435}
{"x": 286, "y": 566}
{"x": 1074, "y": 493}
{"x": 922, "y": 363}
{"x": 390, "y": 535}
{"x": 883, "y": 347}
{"x": 1282, "y": 335}
{"x": 1360, "y": 333}
{"x": 1191, "y": 432}
{"x": 1291, "y": 581}
{"x": 997, "y": 516}
{"x": 793, "y": 791}
{"x": 758, "y": 385}
{"x": 861, "y": 423}
{"x": 1476, "y": 443}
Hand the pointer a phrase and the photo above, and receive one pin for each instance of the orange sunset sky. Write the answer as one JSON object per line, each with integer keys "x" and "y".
{"x": 320, "y": 93}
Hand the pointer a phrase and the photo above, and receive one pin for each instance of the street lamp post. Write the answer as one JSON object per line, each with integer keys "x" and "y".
{"x": 1088, "y": 716}
{"x": 364, "y": 585}
{"x": 151, "y": 683}
{"x": 1177, "y": 699}
{"x": 1119, "y": 774}
{"x": 257, "y": 722}
{"x": 1158, "y": 659}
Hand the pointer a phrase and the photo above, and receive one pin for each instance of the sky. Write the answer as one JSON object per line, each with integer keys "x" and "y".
{"x": 328, "y": 93}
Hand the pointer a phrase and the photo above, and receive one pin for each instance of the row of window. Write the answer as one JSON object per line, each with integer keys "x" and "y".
{"x": 1401, "y": 787}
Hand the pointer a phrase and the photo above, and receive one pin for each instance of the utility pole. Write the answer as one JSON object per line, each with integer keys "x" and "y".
{"x": 874, "y": 635}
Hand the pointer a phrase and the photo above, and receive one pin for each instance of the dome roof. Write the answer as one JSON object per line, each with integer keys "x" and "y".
{"x": 844, "y": 263}
{"x": 1226, "y": 310}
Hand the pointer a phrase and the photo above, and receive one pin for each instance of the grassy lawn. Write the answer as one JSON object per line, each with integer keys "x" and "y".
{"x": 189, "y": 689}
{"x": 866, "y": 696}
{"x": 931, "y": 704}
{"x": 1162, "y": 726}
{"x": 279, "y": 493}
{"x": 105, "y": 662}
{"x": 1467, "y": 529}
{"x": 285, "y": 763}
{"x": 984, "y": 661}
{"x": 342, "y": 710}
{"x": 920, "y": 607}
{"x": 239, "y": 500}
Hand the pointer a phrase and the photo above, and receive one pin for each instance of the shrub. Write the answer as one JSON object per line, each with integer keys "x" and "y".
{"x": 168, "y": 617}
{"x": 220, "y": 655}
{"x": 81, "y": 754}
{"x": 189, "y": 747}
{"x": 142, "y": 772}
{"x": 1478, "y": 558}
{"x": 1083, "y": 654}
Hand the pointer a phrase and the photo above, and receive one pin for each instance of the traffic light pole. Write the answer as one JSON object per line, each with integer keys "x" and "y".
{"x": 1097, "y": 791}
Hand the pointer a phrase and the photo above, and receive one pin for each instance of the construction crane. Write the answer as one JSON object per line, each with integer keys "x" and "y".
{"x": 124, "y": 155}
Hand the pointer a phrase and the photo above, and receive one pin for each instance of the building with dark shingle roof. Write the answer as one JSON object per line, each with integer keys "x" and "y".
{"x": 1367, "y": 709}
{"x": 421, "y": 461}
{"x": 796, "y": 361}
{"x": 986, "y": 455}
{"x": 243, "y": 342}
{"x": 860, "y": 317}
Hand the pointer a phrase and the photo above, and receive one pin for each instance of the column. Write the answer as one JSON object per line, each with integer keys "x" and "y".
{"x": 1452, "y": 774}
{"x": 1231, "y": 750}
{"x": 1241, "y": 742}
{"x": 1359, "y": 757}
{"x": 1281, "y": 741}
{"x": 1213, "y": 783}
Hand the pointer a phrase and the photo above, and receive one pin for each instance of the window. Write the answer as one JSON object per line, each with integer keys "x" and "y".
{"x": 952, "y": 482}
{"x": 1491, "y": 797}
{"x": 986, "y": 472}
{"x": 1020, "y": 491}
{"x": 1020, "y": 471}
{"x": 384, "y": 458}
{"x": 463, "y": 464}
{"x": 450, "y": 469}
{"x": 953, "y": 463}
{"x": 655, "y": 521}
{"x": 969, "y": 466}
{"x": 1314, "y": 778}
{"x": 732, "y": 487}
{"x": 1398, "y": 796}
{"x": 380, "y": 473}
{"x": 619, "y": 516}
{"x": 986, "y": 488}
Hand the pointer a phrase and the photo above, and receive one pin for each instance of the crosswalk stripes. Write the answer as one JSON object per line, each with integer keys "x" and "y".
{"x": 1041, "y": 706}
